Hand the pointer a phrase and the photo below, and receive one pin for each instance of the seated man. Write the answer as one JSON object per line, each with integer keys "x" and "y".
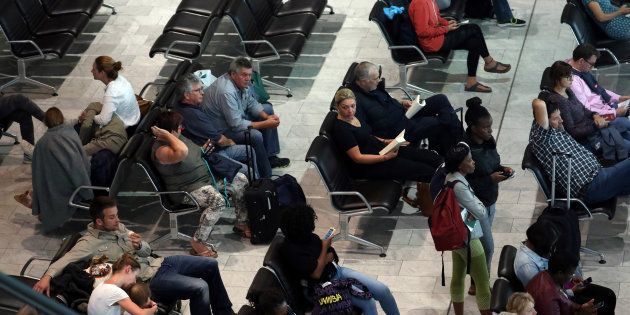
{"x": 436, "y": 120}
{"x": 199, "y": 126}
{"x": 592, "y": 95}
{"x": 532, "y": 257}
{"x": 171, "y": 278}
{"x": 589, "y": 179}
{"x": 19, "y": 108}
{"x": 232, "y": 110}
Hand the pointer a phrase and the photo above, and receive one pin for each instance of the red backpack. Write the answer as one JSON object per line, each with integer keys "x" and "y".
{"x": 447, "y": 227}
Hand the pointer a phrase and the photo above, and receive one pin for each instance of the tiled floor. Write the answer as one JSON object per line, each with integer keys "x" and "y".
{"x": 411, "y": 267}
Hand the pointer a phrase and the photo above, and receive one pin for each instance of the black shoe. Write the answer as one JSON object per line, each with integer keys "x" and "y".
{"x": 277, "y": 162}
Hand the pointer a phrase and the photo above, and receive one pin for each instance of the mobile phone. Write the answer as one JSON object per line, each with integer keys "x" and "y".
{"x": 598, "y": 305}
{"x": 508, "y": 175}
{"x": 329, "y": 233}
{"x": 208, "y": 147}
{"x": 463, "y": 22}
{"x": 588, "y": 280}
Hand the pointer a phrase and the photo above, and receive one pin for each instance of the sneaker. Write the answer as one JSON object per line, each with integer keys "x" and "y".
{"x": 27, "y": 159}
{"x": 277, "y": 162}
{"x": 513, "y": 22}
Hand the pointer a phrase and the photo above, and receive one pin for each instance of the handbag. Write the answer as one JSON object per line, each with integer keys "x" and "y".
{"x": 333, "y": 297}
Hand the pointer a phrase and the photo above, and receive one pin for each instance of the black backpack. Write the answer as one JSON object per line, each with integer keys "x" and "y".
{"x": 479, "y": 9}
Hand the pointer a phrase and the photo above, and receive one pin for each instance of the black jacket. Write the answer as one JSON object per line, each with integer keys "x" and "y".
{"x": 487, "y": 161}
{"x": 382, "y": 112}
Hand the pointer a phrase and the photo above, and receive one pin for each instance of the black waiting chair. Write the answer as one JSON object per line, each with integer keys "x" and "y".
{"x": 203, "y": 7}
{"x": 41, "y": 24}
{"x": 507, "y": 283}
{"x": 328, "y": 125}
{"x": 185, "y": 36}
{"x": 292, "y": 287}
{"x": 284, "y": 8}
{"x": 63, "y": 7}
{"x": 586, "y": 30}
{"x": 25, "y": 46}
{"x": 271, "y": 25}
{"x": 348, "y": 196}
{"x": 404, "y": 54}
{"x": 262, "y": 48}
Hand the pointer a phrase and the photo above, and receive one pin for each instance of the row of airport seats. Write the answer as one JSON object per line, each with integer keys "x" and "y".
{"x": 43, "y": 29}
{"x": 586, "y": 30}
{"x": 268, "y": 29}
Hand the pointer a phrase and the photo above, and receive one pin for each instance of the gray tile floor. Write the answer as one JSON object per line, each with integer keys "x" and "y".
{"x": 411, "y": 267}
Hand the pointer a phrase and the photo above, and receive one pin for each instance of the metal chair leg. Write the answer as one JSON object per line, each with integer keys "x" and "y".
{"x": 344, "y": 235}
{"x": 110, "y": 7}
{"x": 277, "y": 86}
{"x": 22, "y": 78}
{"x": 332, "y": 11}
{"x": 404, "y": 83}
{"x": 589, "y": 251}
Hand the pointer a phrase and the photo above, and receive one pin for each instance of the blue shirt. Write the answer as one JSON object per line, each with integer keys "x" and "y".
{"x": 228, "y": 106}
{"x": 198, "y": 126}
{"x": 528, "y": 264}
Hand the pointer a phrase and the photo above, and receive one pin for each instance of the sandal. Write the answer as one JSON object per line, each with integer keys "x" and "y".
{"x": 207, "y": 252}
{"x": 478, "y": 87}
{"x": 242, "y": 230}
{"x": 495, "y": 69}
{"x": 25, "y": 199}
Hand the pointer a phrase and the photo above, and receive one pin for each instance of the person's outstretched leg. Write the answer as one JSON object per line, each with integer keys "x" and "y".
{"x": 212, "y": 203}
{"x": 258, "y": 143}
{"x": 379, "y": 291}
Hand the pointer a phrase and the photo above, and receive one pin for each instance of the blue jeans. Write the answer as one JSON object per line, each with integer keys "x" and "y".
{"x": 238, "y": 153}
{"x": 265, "y": 142}
{"x": 610, "y": 182}
{"x": 502, "y": 10}
{"x": 380, "y": 292}
{"x": 623, "y": 125}
{"x": 487, "y": 241}
{"x": 191, "y": 277}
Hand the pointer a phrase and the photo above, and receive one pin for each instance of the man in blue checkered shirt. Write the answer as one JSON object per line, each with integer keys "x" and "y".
{"x": 588, "y": 178}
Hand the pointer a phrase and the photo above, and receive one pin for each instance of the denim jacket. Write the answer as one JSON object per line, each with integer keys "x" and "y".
{"x": 467, "y": 199}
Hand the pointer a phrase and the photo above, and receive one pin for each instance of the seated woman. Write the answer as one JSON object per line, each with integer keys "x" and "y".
{"x": 435, "y": 33}
{"x": 119, "y": 97}
{"x": 547, "y": 288}
{"x": 610, "y": 18}
{"x": 582, "y": 124}
{"x": 520, "y": 303}
{"x": 313, "y": 259}
{"x": 181, "y": 167}
{"x": 60, "y": 165}
{"x": 109, "y": 298}
{"x": 354, "y": 137}
{"x": 459, "y": 163}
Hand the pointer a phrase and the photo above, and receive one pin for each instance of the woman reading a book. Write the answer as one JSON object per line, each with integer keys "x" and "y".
{"x": 372, "y": 157}
{"x": 459, "y": 163}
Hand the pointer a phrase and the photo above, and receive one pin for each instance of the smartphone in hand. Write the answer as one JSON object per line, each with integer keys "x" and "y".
{"x": 329, "y": 233}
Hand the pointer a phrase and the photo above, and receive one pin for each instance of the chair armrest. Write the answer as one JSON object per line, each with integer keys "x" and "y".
{"x": 401, "y": 89}
{"x": 30, "y": 260}
{"x": 195, "y": 207}
{"x": 353, "y": 193}
{"x": 71, "y": 202}
{"x": 412, "y": 47}
{"x": 606, "y": 50}
{"x": 146, "y": 87}
{"x": 263, "y": 41}
{"x": 167, "y": 53}
{"x": 28, "y": 41}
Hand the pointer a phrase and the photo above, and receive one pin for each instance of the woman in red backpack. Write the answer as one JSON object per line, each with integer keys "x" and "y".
{"x": 458, "y": 164}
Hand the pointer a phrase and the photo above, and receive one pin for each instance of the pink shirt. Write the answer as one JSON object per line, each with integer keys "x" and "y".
{"x": 590, "y": 100}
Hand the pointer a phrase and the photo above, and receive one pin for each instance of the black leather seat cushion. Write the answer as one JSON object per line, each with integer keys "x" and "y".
{"x": 379, "y": 193}
{"x": 298, "y": 6}
{"x": 298, "y": 23}
{"x": 505, "y": 268}
{"x": 287, "y": 44}
{"x": 56, "y": 44}
{"x": 164, "y": 41}
{"x": 62, "y": 7}
{"x": 621, "y": 49}
{"x": 501, "y": 291}
{"x": 187, "y": 23}
{"x": 328, "y": 125}
{"x": 209, "y": 8}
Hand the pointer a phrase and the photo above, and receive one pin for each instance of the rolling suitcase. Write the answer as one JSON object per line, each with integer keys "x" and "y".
{"x": 261, "y": 200}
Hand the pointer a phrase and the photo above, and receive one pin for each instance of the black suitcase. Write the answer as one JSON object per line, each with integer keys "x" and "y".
{"x": 261, "y": 200}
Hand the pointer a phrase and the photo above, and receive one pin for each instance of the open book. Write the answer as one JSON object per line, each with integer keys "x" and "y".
{"x": 415, "y": 107}
{"x": 400, "y": 138}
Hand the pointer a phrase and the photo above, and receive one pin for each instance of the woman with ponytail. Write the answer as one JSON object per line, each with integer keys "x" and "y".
{"x": 119, "y": 97}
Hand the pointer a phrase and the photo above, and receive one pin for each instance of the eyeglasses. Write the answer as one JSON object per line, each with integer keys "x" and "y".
{"x": 570, "y": 78}
{"x": 199, "y": 90}
{"x": 380, "y": 72}
{"x": 591, "y": 64}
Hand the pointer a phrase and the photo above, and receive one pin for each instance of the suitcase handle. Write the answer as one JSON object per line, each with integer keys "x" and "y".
{"x": 569, "y": 158}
